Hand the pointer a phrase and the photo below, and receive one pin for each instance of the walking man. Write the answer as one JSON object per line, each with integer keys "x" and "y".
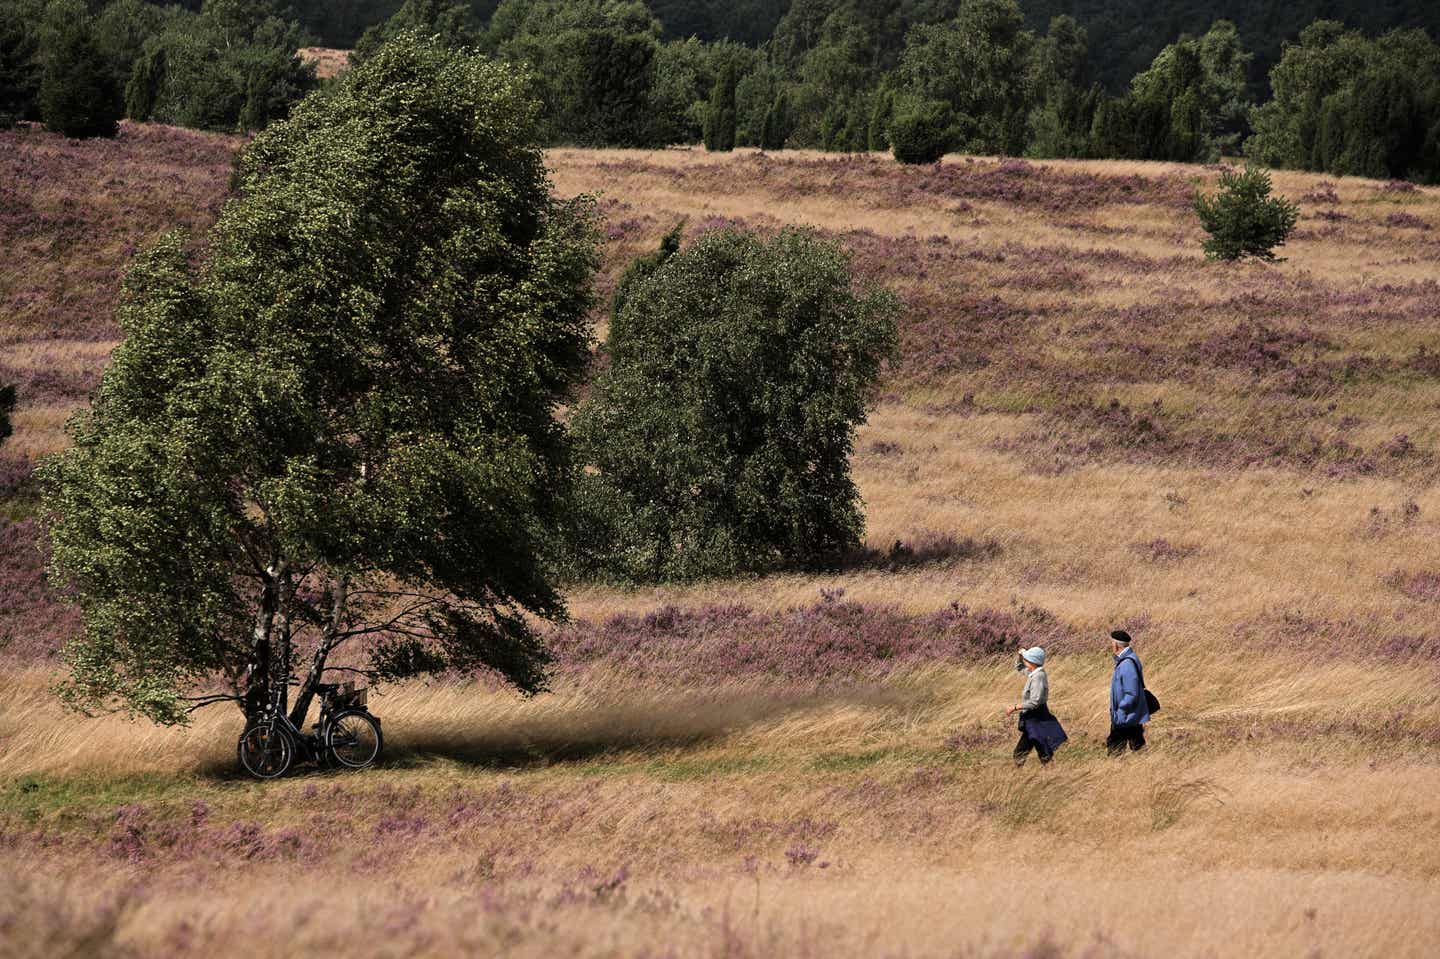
{"x": 1129, "y": 711}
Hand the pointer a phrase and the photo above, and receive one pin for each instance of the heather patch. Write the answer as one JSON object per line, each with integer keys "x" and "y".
{"x": 1010, "y": 183}
{"x": 1076, "y": 433}
{"x": 833, "y": 641}
{"x": 33, "y": 623}
{"x": 1257, "y": 348}
{"x": 39, "y": 385}
{"x": 926, "y": 548}
{"x": 1161, "y": 551}
{"x": 1406, "y": 221}
{"x": 73, "y": 212}
{"x": 1422, "y": 585}
{"x": 1368, "y": 638}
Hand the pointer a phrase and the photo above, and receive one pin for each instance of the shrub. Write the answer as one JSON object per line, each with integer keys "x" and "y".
{"x": 776, "y": 129}
{"x": 78, "y": 93}
{"x": 1243, "y": 219}
{"x": 921, "y": 131}
{"x": 642, "y": 267}
{"x": 720, "y": 121}
{"x": 719, "y": 439}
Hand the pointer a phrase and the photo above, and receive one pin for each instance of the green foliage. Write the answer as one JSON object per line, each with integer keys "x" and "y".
{"x": 7, "y": 406}
{"x": 720, "y": 120}
{"x": 1190, "y": 106}
{"x": 1243, "y": 219}
{"x": 147, "y": 75}
{"x": 746, "y": 21}
{"x": 1127, "y": 34}
{"x": 977, "y": 63}
{"x": 679, "y": 96}
{"x": 922, "y": 131}
{"x": 592, "y": 63}
{"x": 231, "y": 66}
{"x": 882, "y": 112}
{"x": 20, "y": 65}
{"x": 641, "y": 268}
{"x": 341, "y": 423}
{"x": 776, "y": 129}
{"x": 718, "y": 439}
{"x": 1351, "y": 105}
{"x": 450, "y": 22}
{"x": 79, "y": 95}
{"x": 122, "y": 29}
{"x": 1063, "y": 115}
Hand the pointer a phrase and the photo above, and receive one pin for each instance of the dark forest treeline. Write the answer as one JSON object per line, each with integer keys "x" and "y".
{"x": 1333, "y": 85}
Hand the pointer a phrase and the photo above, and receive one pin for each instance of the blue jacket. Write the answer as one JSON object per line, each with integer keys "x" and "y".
{"x": 1127, "y": 696}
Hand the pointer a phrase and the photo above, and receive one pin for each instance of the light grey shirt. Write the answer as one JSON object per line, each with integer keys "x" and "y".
{"x": 1037, "y": 690}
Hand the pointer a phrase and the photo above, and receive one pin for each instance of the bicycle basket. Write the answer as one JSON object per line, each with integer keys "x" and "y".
{"x": 347, "y": 695}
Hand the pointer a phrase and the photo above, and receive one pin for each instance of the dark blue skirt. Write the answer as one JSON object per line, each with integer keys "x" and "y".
{"x": 1040, "y": 725}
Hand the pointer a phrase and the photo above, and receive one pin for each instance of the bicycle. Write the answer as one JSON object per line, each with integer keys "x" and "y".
{"x": 346, "y": 734}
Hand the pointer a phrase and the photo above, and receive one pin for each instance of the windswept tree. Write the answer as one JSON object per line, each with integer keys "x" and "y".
{"x": 338, "y": 432}
{"x": 718, "y": 440}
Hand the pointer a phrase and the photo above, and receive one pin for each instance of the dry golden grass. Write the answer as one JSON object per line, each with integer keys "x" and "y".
{"x": 328, "y": 62}
{"x": 1285, "y": 807}
{"x": 751, "y": 825}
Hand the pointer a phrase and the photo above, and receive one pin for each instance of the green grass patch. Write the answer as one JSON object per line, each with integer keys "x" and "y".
{"x": 684, "y": 770}
{"x": 868, "y": 758}
{"x": 59, "y": 798}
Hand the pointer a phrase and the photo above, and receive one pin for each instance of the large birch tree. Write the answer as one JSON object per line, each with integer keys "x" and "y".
{"x": 333, "y": 432}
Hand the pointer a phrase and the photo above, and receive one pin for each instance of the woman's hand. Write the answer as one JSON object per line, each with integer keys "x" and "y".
{"x": 1009, "y": 710}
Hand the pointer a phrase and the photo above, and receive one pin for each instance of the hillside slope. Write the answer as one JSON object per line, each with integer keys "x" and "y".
{"x": 1089, "y": 426}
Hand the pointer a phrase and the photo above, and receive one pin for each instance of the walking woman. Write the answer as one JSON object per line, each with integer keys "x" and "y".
{"x": 1039, "y": 729}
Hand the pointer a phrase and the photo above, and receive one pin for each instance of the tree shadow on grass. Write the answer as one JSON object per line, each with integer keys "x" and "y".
{"x": 634, "y": 729}
{"x": 614, "y": 730}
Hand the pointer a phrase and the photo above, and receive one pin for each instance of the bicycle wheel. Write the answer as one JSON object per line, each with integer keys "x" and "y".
{"x": 353, "y": 739}
{"x": 265, "y": 751}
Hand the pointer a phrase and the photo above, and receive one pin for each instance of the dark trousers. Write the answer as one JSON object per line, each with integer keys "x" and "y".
{"x": 1023, "y": 747}
{"x": 1125, "y": 736}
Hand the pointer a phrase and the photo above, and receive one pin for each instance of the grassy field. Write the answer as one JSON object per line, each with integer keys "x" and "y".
{"x": 1089, "y": 426}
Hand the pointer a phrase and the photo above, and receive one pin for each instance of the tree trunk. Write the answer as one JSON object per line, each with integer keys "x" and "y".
{"x": 257, "y": 688}
{"x": 283, "y": 634}
{"x": 328, "y": 641}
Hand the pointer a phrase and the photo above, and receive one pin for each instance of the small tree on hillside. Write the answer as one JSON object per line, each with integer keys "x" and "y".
{"x": 721, "y": 118}
{"x": 719, "y": 438}
{"x": 1243, "y": 219}
{"x": 776, "y": 128}
{"x": 143, "y": 87}
{"x": 922, "y": 131}
{"x": 79, "y": 95}
{"x": 340, "y": 428}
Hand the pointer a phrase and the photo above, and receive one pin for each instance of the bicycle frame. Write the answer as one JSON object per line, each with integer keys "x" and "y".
{"x": 310, "y": 746}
